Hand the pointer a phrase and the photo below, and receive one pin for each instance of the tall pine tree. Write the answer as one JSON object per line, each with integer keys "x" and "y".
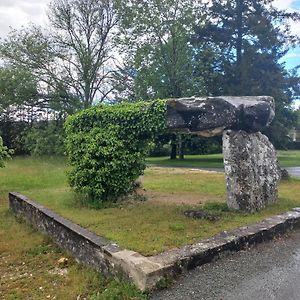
{"x": 244, "y": 41}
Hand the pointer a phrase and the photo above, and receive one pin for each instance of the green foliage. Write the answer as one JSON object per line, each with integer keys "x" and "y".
{"x": 38, "y": 250}
{"x": 107, "y": 145}
{"x": 243, "y": 42}
{"x": 39, "y": 138}
{"x": 17, "y": 86}
{"x": 12, "y": 133}
{"x": 160, "y": 65}
{"x": 298, "y": 117}
{"x": 120, "y": 291}
{"x": 46, "y": 140}
{"x": 177, "y": 227}
{"x": 4, "y": 153}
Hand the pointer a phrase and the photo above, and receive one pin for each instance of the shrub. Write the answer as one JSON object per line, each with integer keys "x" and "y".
{"x": 4, "y": 153}
{"x": 44, "y": 139}
{"x": 107, "y": 145}
{"x": 39, "y": 138}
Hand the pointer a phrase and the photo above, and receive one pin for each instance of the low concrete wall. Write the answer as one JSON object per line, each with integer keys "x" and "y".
{"x": 88, "y": 248}
{"x": 145, "y": 272}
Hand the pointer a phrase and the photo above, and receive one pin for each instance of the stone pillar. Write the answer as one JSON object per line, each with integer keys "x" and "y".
{"x": 251, "y": 169}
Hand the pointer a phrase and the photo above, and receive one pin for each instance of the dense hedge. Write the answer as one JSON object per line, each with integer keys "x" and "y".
{"x": 107, "y": 145}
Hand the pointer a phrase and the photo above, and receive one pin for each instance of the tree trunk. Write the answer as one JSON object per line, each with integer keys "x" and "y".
{"x": 173, "y": 147}
{"x": 239, "y": 43}
{"x": 180, "y": 147}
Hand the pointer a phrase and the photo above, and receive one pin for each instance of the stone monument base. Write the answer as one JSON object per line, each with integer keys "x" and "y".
{"x": 251, "y": 168}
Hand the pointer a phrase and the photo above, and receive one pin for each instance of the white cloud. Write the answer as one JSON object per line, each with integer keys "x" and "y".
{"x": 18, "y": 13}
{"x": 289, "y": 6}
{"x": 292, "y": 55}
{"x": 283, "y": 4}
{"x": 296, "y": 104}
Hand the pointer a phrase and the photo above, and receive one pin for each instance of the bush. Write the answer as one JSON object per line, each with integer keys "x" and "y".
{"x": 39, "y": 138}
{"x": 4, "y": 153}
{"x": 107, "y": 145}
{"x": 12, "y": 133}
{"x": 44, "y": 139}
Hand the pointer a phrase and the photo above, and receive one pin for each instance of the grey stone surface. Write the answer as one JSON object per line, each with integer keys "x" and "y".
{"x": 251, "y": 169}
{"x": 145, "y": 272}
{"x": 212, "y": 115}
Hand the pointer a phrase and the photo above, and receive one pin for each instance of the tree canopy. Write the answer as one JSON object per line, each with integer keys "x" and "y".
{"x": 110, "y": 51}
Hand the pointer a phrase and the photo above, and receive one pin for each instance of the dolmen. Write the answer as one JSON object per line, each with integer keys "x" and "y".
{"x": 251, "y": 166}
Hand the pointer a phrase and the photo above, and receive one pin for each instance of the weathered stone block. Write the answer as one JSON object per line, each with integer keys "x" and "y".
{"x": 251, "y": 169}
{"x": 210, "y": 116}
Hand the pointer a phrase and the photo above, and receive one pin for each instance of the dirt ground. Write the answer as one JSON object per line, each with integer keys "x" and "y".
{"x": 180, "y": 199}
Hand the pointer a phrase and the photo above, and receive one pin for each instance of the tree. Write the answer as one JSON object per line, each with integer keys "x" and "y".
{"x": 71, "y": 61}
{"x": 155, "y": 38}
{"x": 298, "y": 118}
{"x": 246, "y": 40}
{"x": 240, "y": 29}
{"x": 82, "y": 36}
{"x": 17, "y": 87}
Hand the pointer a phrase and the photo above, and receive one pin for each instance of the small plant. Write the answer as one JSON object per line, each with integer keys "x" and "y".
{"x": 107, "y": 146}
{"x": 38, "y": 250}
{"x": 120, "y": 290}
{"x": 177, "y": 227}
{"x": 164, "y": 283}
{"x": 5, "y": 153}
{"x": 216, "y": 207}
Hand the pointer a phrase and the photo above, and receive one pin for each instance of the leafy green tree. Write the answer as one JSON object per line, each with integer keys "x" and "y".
{"x": 55, "y": 72}
{"x": 245, "y": 41}
{"x": 23, "y": 105}
{"x": 158, "y": 55}
{"x": 31, "y": 52}
{"x": 17, "y": 86}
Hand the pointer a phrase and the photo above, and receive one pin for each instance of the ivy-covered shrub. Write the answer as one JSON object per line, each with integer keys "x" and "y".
{"x": 107, "y": 145}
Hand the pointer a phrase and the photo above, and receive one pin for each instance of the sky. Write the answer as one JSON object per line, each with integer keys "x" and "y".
{"x": 17, "y": 13}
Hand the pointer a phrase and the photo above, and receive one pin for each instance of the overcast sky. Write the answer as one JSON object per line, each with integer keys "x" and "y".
{"x": 18, "y": 13}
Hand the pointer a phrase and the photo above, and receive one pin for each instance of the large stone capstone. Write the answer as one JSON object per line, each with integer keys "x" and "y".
{"x": 212, "y": 115}
{"x": 251, "y": 169}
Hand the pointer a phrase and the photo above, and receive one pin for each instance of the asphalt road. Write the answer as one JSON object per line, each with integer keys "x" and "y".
{"x": 268, "y": 271}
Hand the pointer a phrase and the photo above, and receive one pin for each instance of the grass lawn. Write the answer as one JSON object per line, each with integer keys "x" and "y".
{"x": 29, "y": 267}
{"x": 149, "y": 226}
{"x": 286, "y": 159}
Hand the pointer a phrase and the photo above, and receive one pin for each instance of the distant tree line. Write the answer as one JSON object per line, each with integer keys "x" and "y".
{"x": 109, "y": 51}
